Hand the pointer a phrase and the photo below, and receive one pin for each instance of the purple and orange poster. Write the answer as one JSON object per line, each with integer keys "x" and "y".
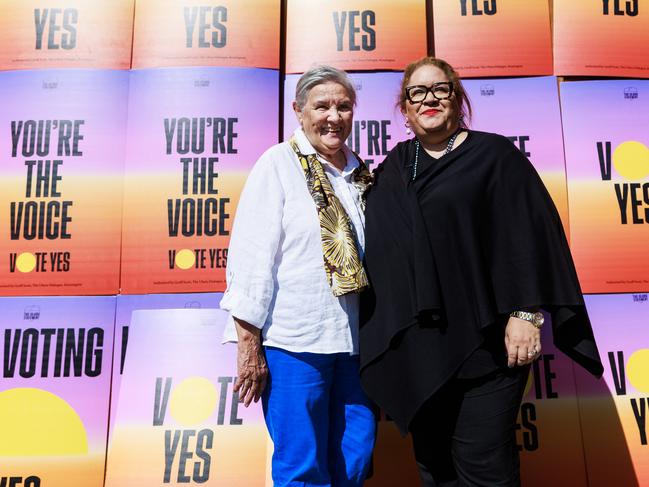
{"x": 41, "y": 34}
{"x": 178, "y": 420}
{"x": 243, "y": 33}
{"x": 377, "y": 126}
{"x": 613, "y": 409}
{"x": 494, "y": 38}
{"x": 526, "y": 110}
{"x": 62, "y": 142}
{"x": 55, "y": 388}
{"x": 194, "y": 133}
{"x": 354, "y": 34}
{"x": 606, "y": 137}
{"x": 607, "y": 38}
{"x": 126, "y": 305}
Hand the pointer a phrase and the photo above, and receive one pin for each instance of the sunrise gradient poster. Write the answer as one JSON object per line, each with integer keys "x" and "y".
{"x": 55, "y": 388}
{"x": 607, "y": 164}
{"x": 242, "y": 33}
{"x": 354, "y": 34}
{"x": 613, "y": 409}
{"x": 178, "y": 419}
{"x": 194, "y": 133}
{"x": 493, "y": 37}
{"x": 46, "y": 34}
{"x": 62, "y": 142}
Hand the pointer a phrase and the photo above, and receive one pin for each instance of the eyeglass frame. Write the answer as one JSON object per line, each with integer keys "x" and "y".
{"x": 430, "y": 89}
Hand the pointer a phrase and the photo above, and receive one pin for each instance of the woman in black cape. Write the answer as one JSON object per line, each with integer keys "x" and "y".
{"x": 464, "y": 248}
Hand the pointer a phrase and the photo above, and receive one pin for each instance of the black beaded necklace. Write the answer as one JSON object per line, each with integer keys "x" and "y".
{"x": 449, "y": 148}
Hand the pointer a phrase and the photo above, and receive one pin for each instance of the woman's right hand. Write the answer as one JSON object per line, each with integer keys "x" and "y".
{"x": 523, "y": 342}
{"x": 252, "y": 370}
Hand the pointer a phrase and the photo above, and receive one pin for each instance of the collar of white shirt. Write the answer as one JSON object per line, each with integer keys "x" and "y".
{"x": 306, "y": 148}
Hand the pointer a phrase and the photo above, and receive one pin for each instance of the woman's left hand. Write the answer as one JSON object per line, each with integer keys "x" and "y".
{"x": 523, "y": 342}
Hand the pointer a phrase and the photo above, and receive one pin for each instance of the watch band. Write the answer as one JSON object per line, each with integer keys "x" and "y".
{"x": 535, "y": 319}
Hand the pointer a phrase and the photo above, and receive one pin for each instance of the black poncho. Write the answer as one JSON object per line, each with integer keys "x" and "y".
{"x": 474, "y": 237}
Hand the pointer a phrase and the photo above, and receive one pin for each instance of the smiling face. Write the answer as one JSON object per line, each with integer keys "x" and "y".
{"x": 326, "y": 117}
{"x": 431, "y": 116}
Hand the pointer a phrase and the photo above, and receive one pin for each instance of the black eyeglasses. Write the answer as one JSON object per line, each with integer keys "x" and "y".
{"x": 418, "y": 93}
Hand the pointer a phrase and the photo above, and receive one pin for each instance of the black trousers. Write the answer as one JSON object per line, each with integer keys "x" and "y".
{"x": 464, "y": 435}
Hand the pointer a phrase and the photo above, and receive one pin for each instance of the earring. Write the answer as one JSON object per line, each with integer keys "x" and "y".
{"x": 461, "y": 119}
{"x": 407, "y": 125}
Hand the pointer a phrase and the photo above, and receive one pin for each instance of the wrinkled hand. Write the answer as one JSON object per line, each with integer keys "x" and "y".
{"x": 523, "y": 342}
{"x": 252, "y": 369}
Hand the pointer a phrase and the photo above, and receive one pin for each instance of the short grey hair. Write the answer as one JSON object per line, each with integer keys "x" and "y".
{"x": 322, "y": 74}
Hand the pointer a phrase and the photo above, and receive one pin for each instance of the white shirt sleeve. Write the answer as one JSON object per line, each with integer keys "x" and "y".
{"x": 254, "y": 243}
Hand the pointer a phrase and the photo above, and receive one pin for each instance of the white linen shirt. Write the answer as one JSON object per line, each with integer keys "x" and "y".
{"x": 276, "y": 278}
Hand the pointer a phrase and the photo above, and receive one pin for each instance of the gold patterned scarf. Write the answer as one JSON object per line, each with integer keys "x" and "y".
{"x": 341, "y": 258}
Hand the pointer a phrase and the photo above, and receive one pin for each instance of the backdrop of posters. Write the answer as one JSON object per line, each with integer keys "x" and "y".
{"x": 62, "y": 141}
{"x": 178, "y": 420}
{"x": 54, "y": 392}
{"x": 606, "y": 137}
{"x": 241, "y": 33}
{"x": 354, "y": 34}
{"x": 194, "y": 133}
{"x": 66, "y": 34}
{"x": 493, "y": 37}
{"x": 378, "y": 123}
{"x": 604, "y": 38}
{"x": 614, "y": 409}
{"x": 527, "y": 111}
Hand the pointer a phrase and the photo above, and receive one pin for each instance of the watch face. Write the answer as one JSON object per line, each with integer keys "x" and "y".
{"x": 539, "y": 318}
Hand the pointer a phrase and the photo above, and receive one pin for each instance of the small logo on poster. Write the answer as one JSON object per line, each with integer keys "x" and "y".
{"x": 358, "y": 85}
{"x": 201, "y": 83}
{"x": 630, "y": 93}
{"x": 487, "y": 90}
{"x": 639, "y": 298}
{"x": 50, "y": 84}
{"x": 32, "y": 313}
{"x": 193, "y": 305}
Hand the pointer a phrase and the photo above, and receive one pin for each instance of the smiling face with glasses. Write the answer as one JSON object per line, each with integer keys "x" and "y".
{"x": 430, "y": 108}
{"x": 442, "y": 90}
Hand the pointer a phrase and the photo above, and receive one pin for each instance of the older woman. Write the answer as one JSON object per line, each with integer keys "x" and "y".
{"x": 463, "y": 248}
{"x": 294, "y": 271}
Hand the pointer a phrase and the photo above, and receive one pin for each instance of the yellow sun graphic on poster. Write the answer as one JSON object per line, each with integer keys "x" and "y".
{"x": 193, "y": 401}
{"x": 637, "y": 369}
{"x": 26, "y": 262}
{"x": 631, "y": 160}
{"x": 185, "y": 259}
{"x": 35, "y": 422}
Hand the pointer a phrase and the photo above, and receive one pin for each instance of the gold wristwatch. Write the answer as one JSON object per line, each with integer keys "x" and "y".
{"x": 536, "y": 319}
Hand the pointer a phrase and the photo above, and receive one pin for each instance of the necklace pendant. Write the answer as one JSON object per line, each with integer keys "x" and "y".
{"x": 449, "y": 148}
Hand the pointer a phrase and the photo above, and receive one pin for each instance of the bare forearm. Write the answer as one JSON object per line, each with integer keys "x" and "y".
{"x": 246, "y": 332}
{"x": 251, "y": 363}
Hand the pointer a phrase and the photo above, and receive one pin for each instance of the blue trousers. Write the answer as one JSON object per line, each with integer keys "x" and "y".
{"x": 322, "y": 425}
